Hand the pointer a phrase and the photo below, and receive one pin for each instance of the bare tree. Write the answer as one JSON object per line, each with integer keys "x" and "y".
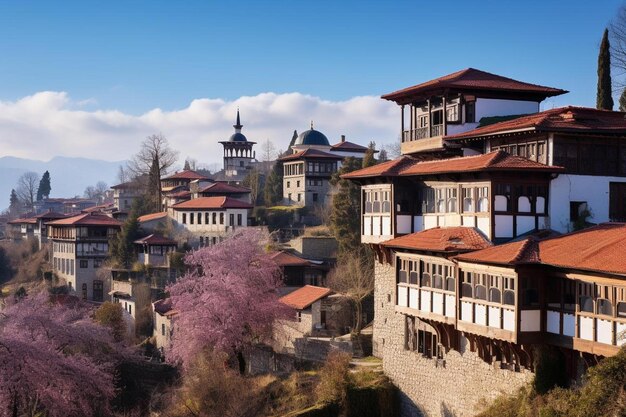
{"x": 393, "y": 149}
{"x": 618, "y": 48}
{"x": 27, "y": 188}
{"x": 354, "y": 277}
{"x": 151, "y": 163}
{"x": 122, "y": 174}
{"x": 97, "y": 192}
{"x": 269, "y": 150}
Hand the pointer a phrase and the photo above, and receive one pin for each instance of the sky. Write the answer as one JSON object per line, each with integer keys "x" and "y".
{"x": 92, "y": 79}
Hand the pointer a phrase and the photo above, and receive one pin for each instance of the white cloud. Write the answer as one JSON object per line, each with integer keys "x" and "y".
{"x": 50, "y": 123}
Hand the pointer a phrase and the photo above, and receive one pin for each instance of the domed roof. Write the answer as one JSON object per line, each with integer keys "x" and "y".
{"x": 312, "y": 137}
{"x": 237, "y": 137}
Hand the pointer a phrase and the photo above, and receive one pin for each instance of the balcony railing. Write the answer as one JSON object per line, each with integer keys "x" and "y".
{"x": 422, "y": 133}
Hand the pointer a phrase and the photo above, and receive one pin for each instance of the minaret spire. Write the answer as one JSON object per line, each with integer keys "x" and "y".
{"x": 238, "y": 126}
{"x": 311, "y": 124}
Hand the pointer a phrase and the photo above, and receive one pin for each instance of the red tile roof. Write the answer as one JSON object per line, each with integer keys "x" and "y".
{"x": 564, "y": 119}
{"x": 152, "y": 216}
{"x": 224, "y": 188}
{"x": 163, "y": 306}
{"x": 283, "y": 258}
{"x": 186, "y": 175}
{"x": 87, "y": 219}
{"x": 155, "y": 239}
{"x": 349, "y": 146}
{"x": 442, "y": 239}
{"x": 51, "y": 215}
{"x": 212, "y": 203}
{"x": 469, "y": 80}
{"x": 310, "y": 153}
{"x": 25, "y": 220}
{"x": 601, "y": 248}
{"x": 305, "y": 296}
{"x": 493, "y": 161}
{"x": 127, "y": 185}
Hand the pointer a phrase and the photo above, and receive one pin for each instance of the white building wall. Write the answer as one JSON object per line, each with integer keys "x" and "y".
{"x": 592, "y": 189}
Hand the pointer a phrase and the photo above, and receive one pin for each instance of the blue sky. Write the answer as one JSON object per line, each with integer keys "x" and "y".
{"x": 92, "y": 79}
{"x": 134, "y": 56}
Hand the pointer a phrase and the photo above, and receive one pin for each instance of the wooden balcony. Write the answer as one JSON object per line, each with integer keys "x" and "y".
{"x": 422, "y": 139}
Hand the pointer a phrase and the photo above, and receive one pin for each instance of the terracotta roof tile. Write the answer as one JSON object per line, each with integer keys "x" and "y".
{"x": 163, "y": 306}
{"x": 222, "y": 187}
{"x": 152, "y": 216}
{"x": 563, "y": 119}
{"x": 601, "y": 248}
{"x": 186, "y": 175}
{"x": 212, "y": 203}
{"x": 493, "y": 161}
{"x": 283, "y": 258}
{"x": 305, "y": 296}
{"x": 471, "y": 79}
{"x": 442, "y": 239}
{"x": 87, "y": 219}
{"x": 310, "y": 153}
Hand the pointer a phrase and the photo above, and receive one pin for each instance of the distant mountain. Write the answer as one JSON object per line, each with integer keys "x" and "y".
{"x": 70, "y": 176}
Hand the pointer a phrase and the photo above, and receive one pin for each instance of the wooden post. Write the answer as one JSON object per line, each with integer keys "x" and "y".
{"x": 445, "y": 116}
{"x": 430, "y": 119}
{"x": 402, "y": 124}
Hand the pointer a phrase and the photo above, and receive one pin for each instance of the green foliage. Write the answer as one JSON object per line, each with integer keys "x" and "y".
{"x": 550, "y": 370}
{"x": 14, "y": 206}
{"x": 110, "y": 315}
{"x": 154, "y": 186}
{"x": 602, "y": 393}
{"x": 44, "y": 186}
{"x": 122, "y": 247}
{"x": 345, "y": 218}
{"x": 273, "y": 190}
{"x": 368, "y": 158}
{"x": 604, "y": 99}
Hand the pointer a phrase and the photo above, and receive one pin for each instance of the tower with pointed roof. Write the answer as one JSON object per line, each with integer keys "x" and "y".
{"x": 238, "y": 154}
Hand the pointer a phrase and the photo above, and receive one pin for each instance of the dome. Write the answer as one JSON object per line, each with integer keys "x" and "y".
{"x": 312, "y": 137}
{"x": 237, "y": 137}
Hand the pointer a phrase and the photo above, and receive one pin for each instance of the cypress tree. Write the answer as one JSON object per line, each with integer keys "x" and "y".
{"x": 14, "y": 207}
{"x": 622, "y": 101}
{"x": 154, "y": 185}
{"x": 345, "y": 218}
{"x": 44, "y": 187}
{"x": 604, "y": 99}
{"x": 273, "y": 191}
{"x": 368, "y": 158}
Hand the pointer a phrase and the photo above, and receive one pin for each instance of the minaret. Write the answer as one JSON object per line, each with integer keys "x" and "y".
{"x": 238, "y": 154}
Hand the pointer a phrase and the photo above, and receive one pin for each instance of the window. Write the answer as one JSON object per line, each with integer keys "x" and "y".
{"x": 206, "y": 218}
{"x": 621, "y": 309}
{"x": 221, "y": 218}
{"x": 130, "y": 309}
{"x": 288, "y": 184}
{"x": 298, "y": 184}
{"x": 586, "y": 304}
{"x": 191, "y": 217}
{"x": 494, "y": 289}
{"x": 483, "y": 199}
{"x": 466, "y": 286}
{"x": 239, "y": 219}
{"x": 199, "y": 218}
{"x": 231, "y": 219}
{"x": 438, "y": 276}
{"x": 97, "y": 263}
{"x": 84, "y": 263}
{"x": 98, "y": 290}
{"x": 605, "y": 307}
{"x": 184, "y": 218}
{"x": 84, "y": 291}
{"x": 214, "y": 218}
{"x": 530, "y": 293}
{"x": 163, "y": 329}
{"x": 427, "y": 343}
{"x": 468, "y": 200}
{"x": 314, "y": 197}
{"x": 299, "y": 197}
{"x": 452, "y": 113}
{"x": 617, "y": 201}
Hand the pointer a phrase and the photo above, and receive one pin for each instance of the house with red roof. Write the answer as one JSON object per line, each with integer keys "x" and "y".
{"x": 472, "y": 230}
{"x": 308, "y": 168}
{"x": 80, "y": 245}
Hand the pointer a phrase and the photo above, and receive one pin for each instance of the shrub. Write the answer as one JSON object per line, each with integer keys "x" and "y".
{"x": 110, "y": 315}
{"x": 334, "y": 378}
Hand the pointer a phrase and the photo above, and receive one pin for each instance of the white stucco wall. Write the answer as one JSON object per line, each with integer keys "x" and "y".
{"x": 592, "y": 189}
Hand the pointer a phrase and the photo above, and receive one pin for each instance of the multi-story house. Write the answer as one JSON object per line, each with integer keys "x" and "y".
{"x": 210, "y": 219}
{"x": 455, "y": 301}
{"x": 125, "y": 194}
{"x": 80, "y": 245}
{"x": 308, "y": 169}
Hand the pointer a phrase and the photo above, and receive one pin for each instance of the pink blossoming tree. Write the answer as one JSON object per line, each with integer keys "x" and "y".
{"x": 228, "y": 299}
{"x": 53, "y": 360}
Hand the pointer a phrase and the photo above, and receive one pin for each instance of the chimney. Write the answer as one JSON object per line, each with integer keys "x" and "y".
{"x": 343, "y": 138}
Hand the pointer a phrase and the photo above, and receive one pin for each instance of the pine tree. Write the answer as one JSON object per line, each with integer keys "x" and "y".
{"x": 273, "y": 192}
{"x": 368, "y": 158}
{"x": 604, "y": 98}
{"x": 124, "y": 248}
{"x": 44, "y": 187}
{"x": 382, "y": 155}
{"x": 187, "y": 167}
{"x": 154, "y": 185}
{"x": 622, "y": 101}
{"x": 345, "y": 219}
{"x": 14, "y": 207}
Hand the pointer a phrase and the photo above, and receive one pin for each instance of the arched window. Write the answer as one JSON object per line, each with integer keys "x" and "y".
{"x": 481, "y": 292}
{"x": 450, "y": 284}
{"x": 466, "y": 290}
{"x": 605, "y": 307}
{"x": 621, "y": 309}
{"x": 425, "y": 281}
{"x": 494, "y": 295}
{"x": 586, "y": 304}
{"x": 509, "y": 297}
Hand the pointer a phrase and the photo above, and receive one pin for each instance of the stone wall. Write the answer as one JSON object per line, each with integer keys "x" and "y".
{"x": 454, "y": 386}
{"x": 316, "y": 247}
